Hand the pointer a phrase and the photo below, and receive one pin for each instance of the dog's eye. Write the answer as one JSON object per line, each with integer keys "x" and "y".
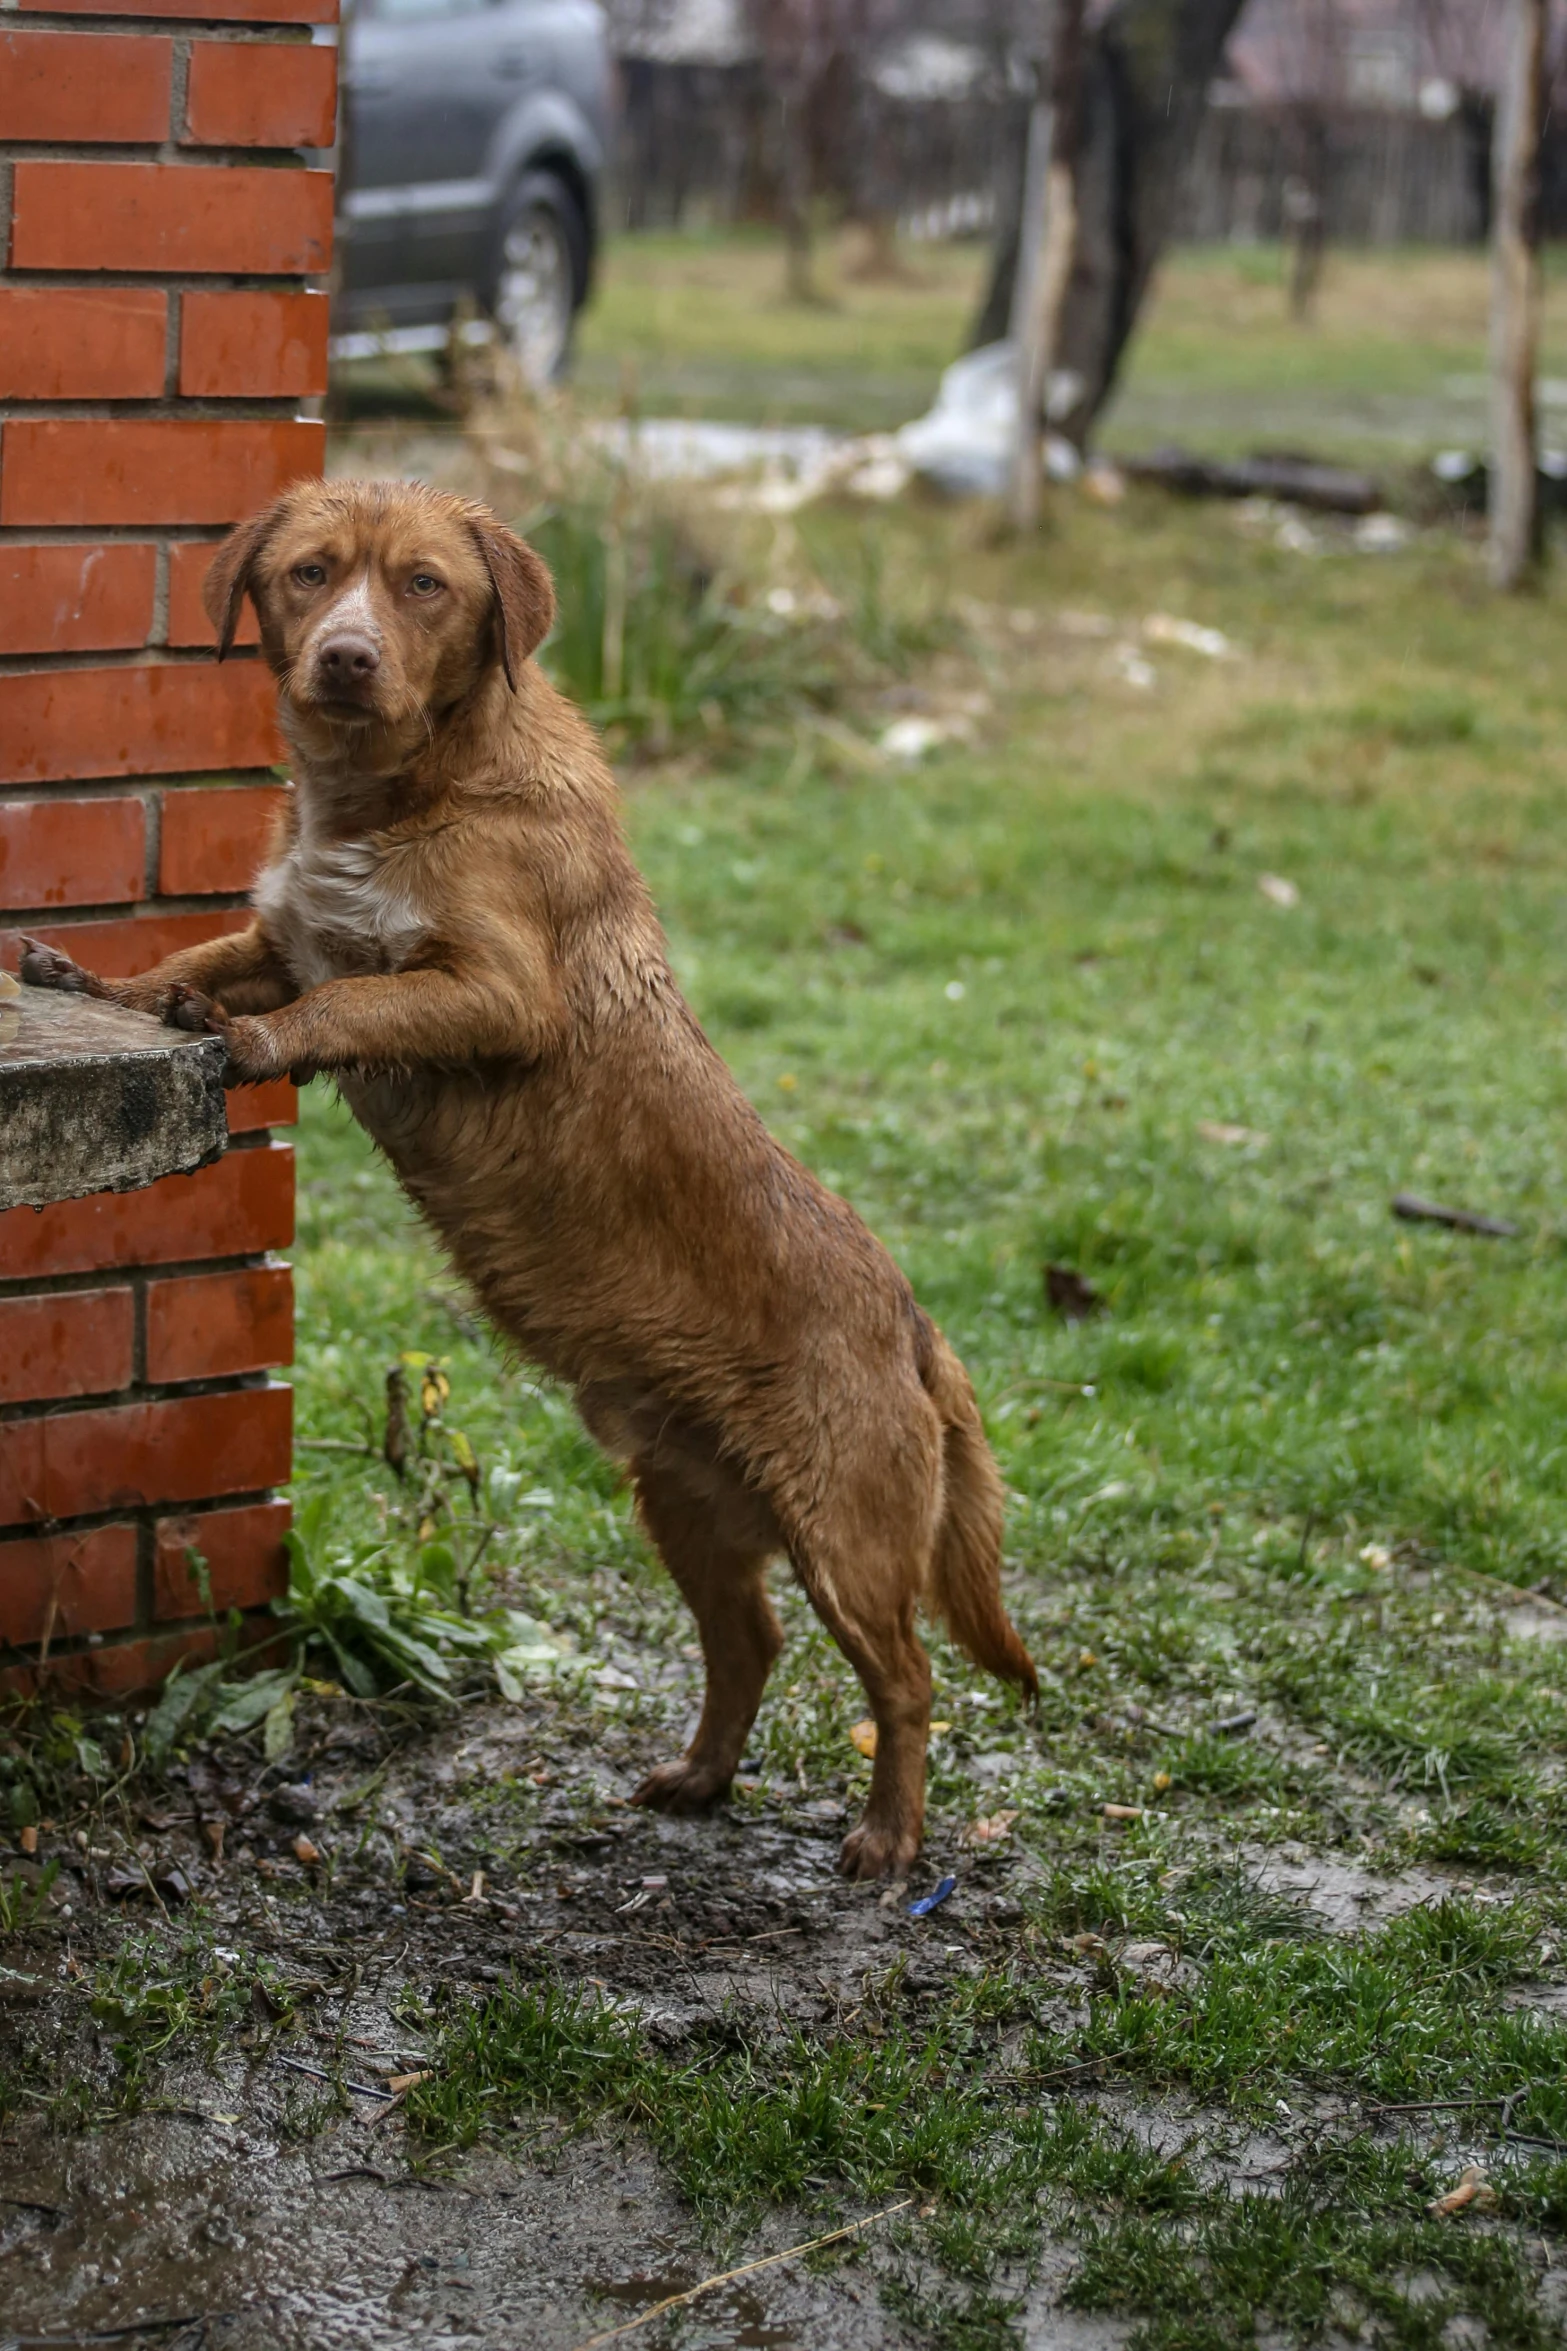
{"x": 424, "y": 583}
{"x": 309, "y": 575}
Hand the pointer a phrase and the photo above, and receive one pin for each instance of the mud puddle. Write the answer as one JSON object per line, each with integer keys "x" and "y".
{"x": 268, "y": 2195}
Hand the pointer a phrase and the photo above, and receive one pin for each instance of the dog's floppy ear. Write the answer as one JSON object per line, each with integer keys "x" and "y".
{"x": 228, "y": 579}
{"x": 524, "y": 593}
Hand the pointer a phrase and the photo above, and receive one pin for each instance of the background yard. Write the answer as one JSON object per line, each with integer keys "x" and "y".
{"x": 1166, "y": 968}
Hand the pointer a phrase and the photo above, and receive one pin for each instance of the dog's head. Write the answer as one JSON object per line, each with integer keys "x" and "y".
{"x": 381, "y": 604}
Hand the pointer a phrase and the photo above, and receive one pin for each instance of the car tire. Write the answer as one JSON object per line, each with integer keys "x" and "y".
{"x": 540, "y": 275}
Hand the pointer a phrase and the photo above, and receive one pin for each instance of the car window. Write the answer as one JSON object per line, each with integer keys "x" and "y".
{"x": 421, "y": 11}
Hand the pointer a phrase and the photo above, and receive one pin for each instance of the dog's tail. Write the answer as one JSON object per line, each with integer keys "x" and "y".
{"x": 966, "y": 1562}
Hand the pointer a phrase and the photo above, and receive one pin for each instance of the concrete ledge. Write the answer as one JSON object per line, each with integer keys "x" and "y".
{"x": 95, "y": 1099}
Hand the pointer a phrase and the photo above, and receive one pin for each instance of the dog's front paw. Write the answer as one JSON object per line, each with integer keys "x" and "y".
{"x": 187, "y": 1008}
{"x": 682, "y": 1786}
{"x": 46, "y": 967}
{"x": 253, "y": 1053}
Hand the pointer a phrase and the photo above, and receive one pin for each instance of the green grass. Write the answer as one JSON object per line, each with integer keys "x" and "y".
{"x": 911, "y": 2114}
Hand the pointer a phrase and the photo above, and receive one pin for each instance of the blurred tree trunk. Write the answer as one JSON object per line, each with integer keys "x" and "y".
{"x": 1049, "y": 234}
{"x": 1515, "y": 298}
{"x": 795, "y": 193}
{"x": 1145, "y": 77}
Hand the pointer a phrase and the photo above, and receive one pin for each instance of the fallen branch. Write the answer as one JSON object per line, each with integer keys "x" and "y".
{"x": 747, "y": 2269}
{"x": 1327, "y": 488}
{"x": 1414, "y": 1210}
{"x": 318, "y": 2073}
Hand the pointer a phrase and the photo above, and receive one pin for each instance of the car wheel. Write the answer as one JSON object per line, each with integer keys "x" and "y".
{"x": 537, "y": 276}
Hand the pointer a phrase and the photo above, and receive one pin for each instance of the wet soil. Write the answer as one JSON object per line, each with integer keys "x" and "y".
{"x": 253, "y": 2203}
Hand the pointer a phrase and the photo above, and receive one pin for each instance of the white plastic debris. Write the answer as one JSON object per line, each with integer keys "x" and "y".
{"x": 1162, "y": 628}
{"x": 1277, "y": 890}
{"x": 964, "y": 443}
{"x": 911, "y": 738}
{"x": 1296, "y": 537}
{"x": 1133, "y": 670}
{"x": 1382, "y": 534}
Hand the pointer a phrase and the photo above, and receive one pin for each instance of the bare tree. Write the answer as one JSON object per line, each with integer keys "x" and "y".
{"x": 1310, "y": 40}
{"x": 1147, "y": 65}
{"x": 814, "y": 53}
{"x": 1048, "y": 237}
{"x": 1515, "y": 298}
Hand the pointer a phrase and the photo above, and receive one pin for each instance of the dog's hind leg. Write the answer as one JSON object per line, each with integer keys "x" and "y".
{"x": 868, "y": 1607}
{"x": 715, "y": 1537}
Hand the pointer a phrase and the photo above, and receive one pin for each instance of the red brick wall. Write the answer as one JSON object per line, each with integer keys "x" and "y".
{"x": 161, "y": 326}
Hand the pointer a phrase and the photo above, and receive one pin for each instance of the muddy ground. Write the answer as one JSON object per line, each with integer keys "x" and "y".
{"x": 251, "y": 2202}
{"x": 257, "y": 2186}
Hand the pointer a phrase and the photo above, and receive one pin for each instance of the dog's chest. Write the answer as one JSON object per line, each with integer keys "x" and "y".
{"x": 338, "y": 908}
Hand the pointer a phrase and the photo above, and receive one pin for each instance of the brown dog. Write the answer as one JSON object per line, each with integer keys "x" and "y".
{"x": 451, "y": 924}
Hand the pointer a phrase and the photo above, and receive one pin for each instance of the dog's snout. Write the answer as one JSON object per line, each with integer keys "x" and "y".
{"x": 348, "y": 658}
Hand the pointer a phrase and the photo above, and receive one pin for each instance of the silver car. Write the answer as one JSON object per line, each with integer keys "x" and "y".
{"x": 475, "y": 139}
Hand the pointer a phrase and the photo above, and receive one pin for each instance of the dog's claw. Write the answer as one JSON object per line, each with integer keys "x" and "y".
{"x": 682, "y": 1786}
{"x": 46, "y": 967}
{"x": 186, "y": 1008}
{"x": 873, "y": 1852}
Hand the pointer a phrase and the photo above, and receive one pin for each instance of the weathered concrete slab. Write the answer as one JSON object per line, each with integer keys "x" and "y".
{"x": 95, "y": 1099}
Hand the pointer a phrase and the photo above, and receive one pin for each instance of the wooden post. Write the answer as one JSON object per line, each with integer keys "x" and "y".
{"x": 1049, "y": 239}
{"x": 1515, "y": 299}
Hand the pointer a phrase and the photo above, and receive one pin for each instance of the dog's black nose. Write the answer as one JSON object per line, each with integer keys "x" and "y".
{"x": 348, "y": 658}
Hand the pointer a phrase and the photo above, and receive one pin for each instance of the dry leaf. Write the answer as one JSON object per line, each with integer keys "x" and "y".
{"x": 1277, "y": 890}
{"x": 1071, "y": 1297}
{"x": 409, "y": 2081}
{"x": 213, "y": 1830}
{"x": 304, "y": 1850}
{"x": 1473, "y": 2188}
{"x": 1217, "y": 1130}
{"x": 990, "y": 1830}
{"x": 1161, "y": 1781}
{"x": 863, "y": 1736}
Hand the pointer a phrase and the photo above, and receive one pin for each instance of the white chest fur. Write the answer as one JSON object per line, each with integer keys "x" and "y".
{"x": 337, "y": 908}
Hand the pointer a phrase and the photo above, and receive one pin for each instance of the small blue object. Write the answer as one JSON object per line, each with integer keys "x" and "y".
{"x": 928, "y": 1902}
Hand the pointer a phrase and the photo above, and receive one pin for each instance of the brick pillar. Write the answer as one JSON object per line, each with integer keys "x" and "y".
{"x": 159, "y": 328}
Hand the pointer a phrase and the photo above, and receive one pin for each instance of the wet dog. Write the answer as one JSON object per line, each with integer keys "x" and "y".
{"x": 451, "y": 925}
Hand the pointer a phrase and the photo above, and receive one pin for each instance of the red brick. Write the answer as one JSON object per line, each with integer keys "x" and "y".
{"x": 116, "y": 1670}
{"x": 71, "y": 852}
{"x": 258, "y": 345}
{"x": 190, "y": 560}
{"x": 55, "y": 1586}
{"x": 215, "y": 840}
{"x": 260, "y": 94}
{"x": 245, "y": 1560}
{"x": 82, "y": 342}
{"x": 129, "y": 470}
{"x": 213, "y": 11}
{"x": 121, "y": 945}
{"x": 238, "y": 1207}
{"x": 171, "y": 216}
{"x": 75, "y": 599}
{"x": 252, "y": 1107}
{"x": 177, "y": 1449}
{"x": 70, "y": 1343}
{"x": 203, "y": 1326}
{"x": 85, "y": 86}
{"x": 56, "y": 725}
